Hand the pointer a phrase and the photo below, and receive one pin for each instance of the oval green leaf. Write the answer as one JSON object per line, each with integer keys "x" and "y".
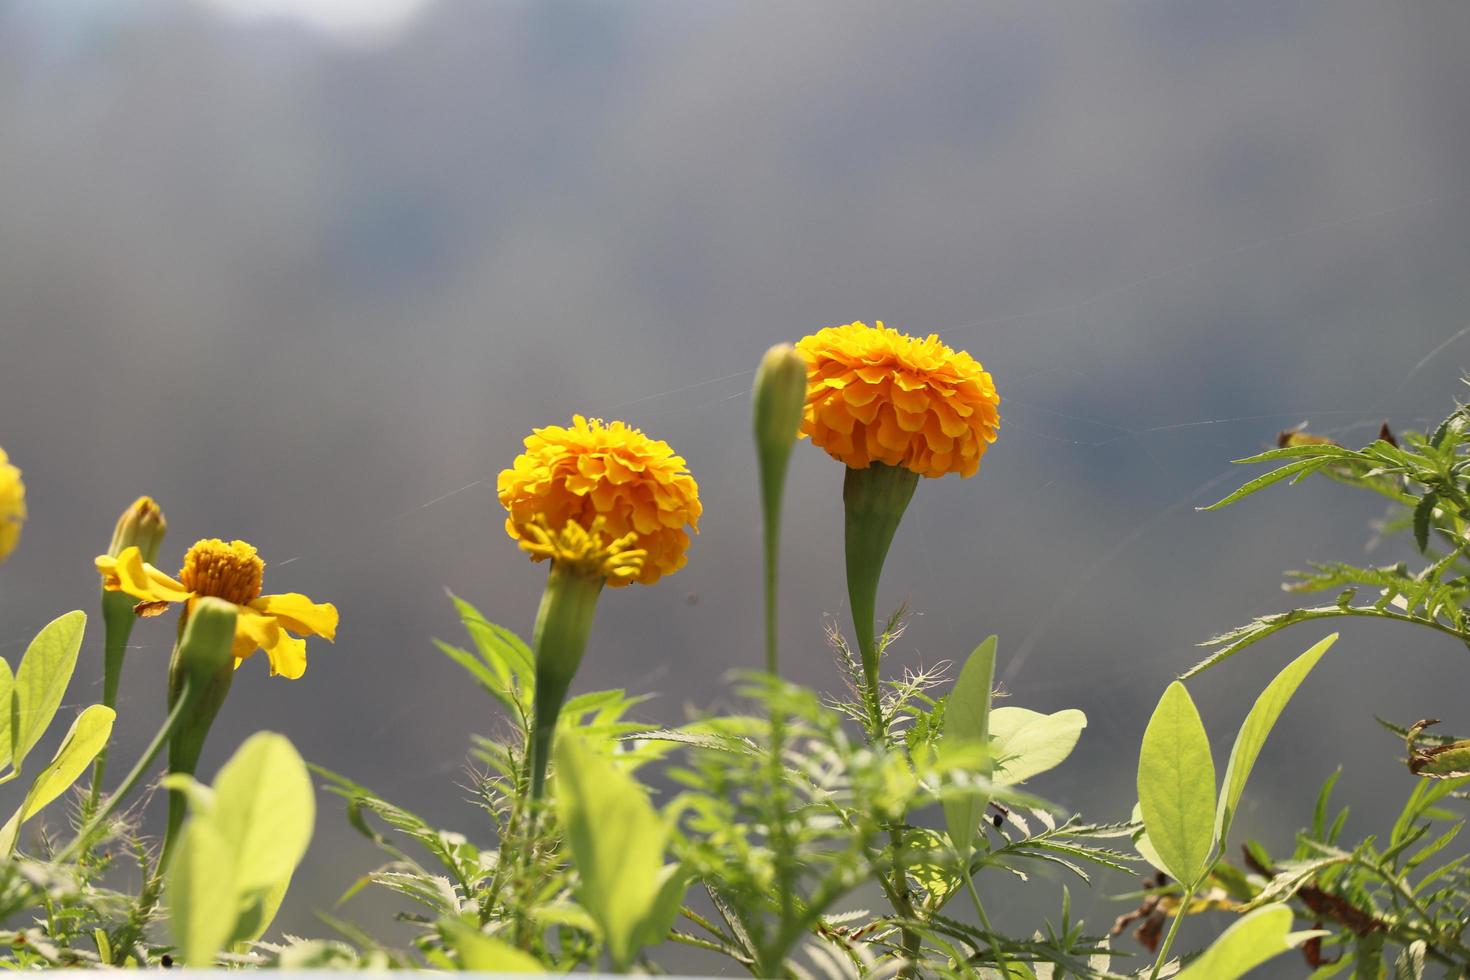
{"x": 967, "y": 720}
{"x": 88, "y": 734}
{"x": 1026, "y": 743}
{"x": 1176, "y": 786}
{"x": 45, "y": 671}
{"x": 1257, "y": 725}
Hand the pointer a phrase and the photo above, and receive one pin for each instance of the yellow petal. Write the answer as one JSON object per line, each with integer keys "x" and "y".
{"x": 130, "y": 574}
{"x": 299, "y": 614}
{"x": 253, "y": 631}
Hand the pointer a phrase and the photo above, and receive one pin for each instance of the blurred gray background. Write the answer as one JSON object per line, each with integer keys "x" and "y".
{"x": 307, "y": 272}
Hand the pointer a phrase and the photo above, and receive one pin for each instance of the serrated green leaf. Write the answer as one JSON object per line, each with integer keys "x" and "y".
{"x": 1265, "y": 480}
{"x": 1026, "y": 743}
{"x": 1176, "y": 786}
{"x": 1423, "y": 514}
{"x": 1253, "y": 731}
{"x": 41, "y": 681}
{"x": 1251, "y": 941}
{"x": 88, "y": 734}
{"x": 617, "y": 843}
{"x": 967, "y": 722}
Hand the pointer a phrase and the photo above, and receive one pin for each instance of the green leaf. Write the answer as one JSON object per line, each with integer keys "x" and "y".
{"x": 1143, "y": 845}
{"x": 1176, "y": 786}
{"x": 1251, "y": 941}
{"x": 201, "y": 893}
{"x": 41, "y": 681}
{"x": 487, "y": 954}
{"x": 7, "y": 704}
{"x": 1423, "y": 514}
{"x": 967, "y": 721}
{"x": 1027, "y": 743}
{"x": 264, "y": 805}
{"x": 617, "y": 842}
{"x": 1275, "y": 476}
{"x": 88, "y": 734}
{"x": 1257, "y": 725}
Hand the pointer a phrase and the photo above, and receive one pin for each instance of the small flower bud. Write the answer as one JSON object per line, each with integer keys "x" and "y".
{"x": 141, "y": 526}
{"x": 779, "y": 395}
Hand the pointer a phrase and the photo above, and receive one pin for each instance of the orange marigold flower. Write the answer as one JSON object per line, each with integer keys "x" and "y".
{"x": 875, "y": 395}
{"x": 607, "y": 470}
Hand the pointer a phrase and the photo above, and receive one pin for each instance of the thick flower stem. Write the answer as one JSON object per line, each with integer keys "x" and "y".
{"x": 117, "y": 620}
{"x": 874, "y": 500}
{"x": 563, "y": 624}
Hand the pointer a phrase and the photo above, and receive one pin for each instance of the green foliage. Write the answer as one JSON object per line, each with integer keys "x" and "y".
{"x": 88, "y": 734}
{"x": 967, "y": 722}
{"x": 1427, "y": 480}
{"x": 1176, "y": 786}
{"x": 240, "y": 847}
{"x": 41, "y": 682}
{"x": 617, "y": 845}
{"x": 1257, "y": 725}
{"x": 1254, "y": 939}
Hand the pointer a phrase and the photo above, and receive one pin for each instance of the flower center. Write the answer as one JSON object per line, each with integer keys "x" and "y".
{"x": 227, "y": 571}
{"x": 590, "y": 551}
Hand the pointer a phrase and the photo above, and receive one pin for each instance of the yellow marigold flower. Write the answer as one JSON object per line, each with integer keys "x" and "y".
{"x": 232, "y": 572}
{"x": 589, "y": 550}
{"x": 875, "y": 395}
{"x": 12, "y": 505}
{"x": 592, "y": 470}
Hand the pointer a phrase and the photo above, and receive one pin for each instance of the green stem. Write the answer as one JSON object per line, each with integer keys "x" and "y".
{"x": 563, "y": 624}
{"x": 1173, "y": 929}
{"x": 117, "y": 619}
{"x": 874, "y": 501}
{"x": 130, "y": 781}
{"x": 1000, "y": 956}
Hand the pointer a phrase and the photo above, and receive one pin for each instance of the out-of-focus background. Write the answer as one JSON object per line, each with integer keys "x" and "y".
{"x": 307, "y": 271}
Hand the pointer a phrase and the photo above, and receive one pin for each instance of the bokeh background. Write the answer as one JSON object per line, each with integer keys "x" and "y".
{"x": 308, "y": 270}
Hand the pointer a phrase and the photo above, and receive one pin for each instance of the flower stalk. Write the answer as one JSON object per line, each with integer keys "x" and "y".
{"x": 779, "y": 396}
{"x": 141, "y": 526}
{"x": 563, "y": 624}
{"x": 874, "y": 500}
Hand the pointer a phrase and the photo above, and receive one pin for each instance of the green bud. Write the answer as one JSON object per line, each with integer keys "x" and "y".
{"x": 201, "y": 671}
{"x": 779, "y": 396}
{"x": 141, "y": 526}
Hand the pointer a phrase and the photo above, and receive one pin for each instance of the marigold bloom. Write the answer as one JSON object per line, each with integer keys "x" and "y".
{"x": 232, "y": 572}
{"x": 12, "y": 505}
{"x": 612, "y": 471}
{"x": 877, "y": 395}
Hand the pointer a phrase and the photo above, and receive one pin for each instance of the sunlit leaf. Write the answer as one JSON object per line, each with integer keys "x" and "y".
{"x": 201, "y": 893}
{"x": 41, "y": 681}
{"x": 967, "y": 722}
{"x": 1257, "y": 725}
{"x": 88, "y": 734}
{"x": 617, "y": 842}
{"x": 1026, "y": 743}
{"x": 1176, "y": 786}
{"x": 1251, "y": 941}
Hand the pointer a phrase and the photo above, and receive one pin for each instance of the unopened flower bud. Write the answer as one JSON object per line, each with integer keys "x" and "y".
{"x": 141, "y": 526}
{"x": 779, "y": 395}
